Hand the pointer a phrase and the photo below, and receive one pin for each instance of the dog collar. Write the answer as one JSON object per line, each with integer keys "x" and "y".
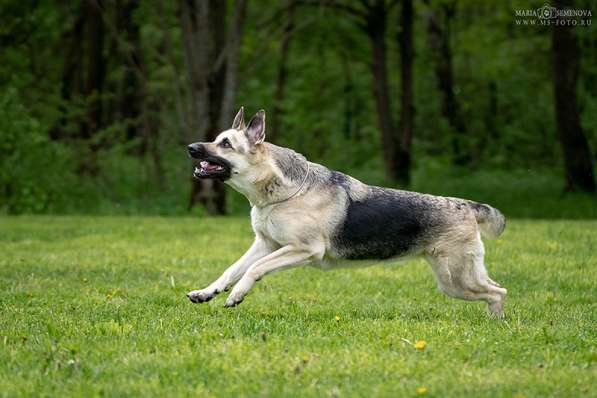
{"x": 295, "y": 192}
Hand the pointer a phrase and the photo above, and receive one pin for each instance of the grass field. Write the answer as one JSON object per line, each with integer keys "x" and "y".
{"x": 96, "y": 306}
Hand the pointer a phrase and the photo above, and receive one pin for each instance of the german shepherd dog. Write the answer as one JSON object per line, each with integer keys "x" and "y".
{"x": 304, "y": 213}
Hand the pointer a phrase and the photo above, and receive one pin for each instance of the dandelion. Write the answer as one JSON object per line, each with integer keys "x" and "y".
{"x": 338, "y": 318}
{"x": 420, "y": 344}
{"x": 422, "y": 390}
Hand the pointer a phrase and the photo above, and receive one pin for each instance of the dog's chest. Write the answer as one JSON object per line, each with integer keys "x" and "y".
{"x": 269, "y": 224}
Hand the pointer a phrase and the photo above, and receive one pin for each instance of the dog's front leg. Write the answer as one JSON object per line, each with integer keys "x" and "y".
{"x": 284, "y": 257}
{"x": 258, "y": 249}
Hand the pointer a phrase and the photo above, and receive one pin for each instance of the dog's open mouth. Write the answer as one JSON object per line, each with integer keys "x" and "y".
{"x": 208, "y": 167}
{"x": 212, "y": 168}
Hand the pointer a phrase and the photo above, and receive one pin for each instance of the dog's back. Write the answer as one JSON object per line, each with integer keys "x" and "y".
{"x": 384, "y": 223}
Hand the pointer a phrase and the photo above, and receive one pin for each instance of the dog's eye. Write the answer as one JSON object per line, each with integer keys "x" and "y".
{"x": 225, "y": 143}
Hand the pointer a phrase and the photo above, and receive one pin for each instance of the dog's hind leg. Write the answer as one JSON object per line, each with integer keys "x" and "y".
{"x": 258, "y": 250}
{"x": 461, "y": 273}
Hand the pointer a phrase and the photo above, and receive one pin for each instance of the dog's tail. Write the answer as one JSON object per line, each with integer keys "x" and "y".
{"x": 490, "y": 220}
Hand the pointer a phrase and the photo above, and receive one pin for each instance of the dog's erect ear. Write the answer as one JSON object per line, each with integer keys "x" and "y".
{"x": 256, "y": 130}
{"x": 239, "y": 120}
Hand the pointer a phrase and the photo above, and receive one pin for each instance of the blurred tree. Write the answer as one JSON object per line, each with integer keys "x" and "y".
{"x": 439, "y": 19}
{"x": 83, "y": 77}
{"x": 94, "y": 82}
{"x": 375, "y": 26}
{"x": 211, "y": 58}
{"x": 128, "y": 45}
{"x": 71, "y": 71}
{"x": 282, "y": 74}
{"x": 577, "y": 156}
{"x": 371, "y": 18}
{"x": 405, "y": 42}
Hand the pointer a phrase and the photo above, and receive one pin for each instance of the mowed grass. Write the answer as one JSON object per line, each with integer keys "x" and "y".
{"x": 96, "y": 306}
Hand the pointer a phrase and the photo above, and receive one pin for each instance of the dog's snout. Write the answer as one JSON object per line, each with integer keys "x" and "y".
{"x": 196, "y": 150}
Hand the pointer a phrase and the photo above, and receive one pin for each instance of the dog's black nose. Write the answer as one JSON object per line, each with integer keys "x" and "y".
{"x": 196, "y": 150}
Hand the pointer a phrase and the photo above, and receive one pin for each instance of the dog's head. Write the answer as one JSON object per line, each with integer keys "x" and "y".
{"x": 233, "y": 152}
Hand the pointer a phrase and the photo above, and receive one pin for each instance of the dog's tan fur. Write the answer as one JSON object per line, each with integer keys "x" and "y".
{"x": 301, "y": 214}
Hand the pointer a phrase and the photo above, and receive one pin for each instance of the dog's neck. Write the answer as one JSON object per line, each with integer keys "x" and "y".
{"x": 264, "y": 185}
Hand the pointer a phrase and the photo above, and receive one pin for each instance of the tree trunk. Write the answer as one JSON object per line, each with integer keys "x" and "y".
{"x": 348, "y": 97}
{"x": 376, "y": 31}
{"x": 575, "y": 148}
{"x": 94, "y": 83}
{"x": 439, "y": 42}
{"x": 232, "y": 54}
{"x": 151, "y": 135}
{"x": 195, "y": 38}
{"x": 371, "y": 17}
{"x": 130, "y": 98}
{"x": 217, "y": 83}
{"x": 218, "y": 53}
{"x": 194, "y": 16}
{"x": 279, "y": 94}
{"x": 489, "y": 136}
{"x": 181, "y": 112}
{"x": 405, "y": 40}
{"x": 212, "y": 80}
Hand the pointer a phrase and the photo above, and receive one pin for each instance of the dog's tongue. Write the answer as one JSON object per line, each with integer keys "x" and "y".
{"x": 208, "y": 166}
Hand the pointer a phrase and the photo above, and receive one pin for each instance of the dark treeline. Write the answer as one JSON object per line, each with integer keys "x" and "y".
{"x": 99, "y": 98}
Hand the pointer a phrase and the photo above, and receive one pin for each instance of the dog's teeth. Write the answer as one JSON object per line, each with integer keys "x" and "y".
{"x": 204, "y": 164}
{"x": 196, "y": 170}
{"x": 219, "y": 168}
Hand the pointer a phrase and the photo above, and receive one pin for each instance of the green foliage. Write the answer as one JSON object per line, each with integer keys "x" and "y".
{"x": 96, "y": 307}
{"x": 35, "y": 173}
{"x": 503, "y": 82}
{"x": 530, "y": 193}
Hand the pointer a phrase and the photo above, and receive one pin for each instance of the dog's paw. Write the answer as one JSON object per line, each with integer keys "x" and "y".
{"x": 239, "y": 291}
{"x": 496, "y": 310}
{"x": 201, "y": 296}
{"x": 234, "y": 299}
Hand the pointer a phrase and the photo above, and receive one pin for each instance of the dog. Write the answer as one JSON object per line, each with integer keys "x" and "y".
{"x": 304, "y": 213}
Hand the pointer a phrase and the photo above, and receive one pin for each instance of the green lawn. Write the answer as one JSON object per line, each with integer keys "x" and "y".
{"x": 96, "y": 306}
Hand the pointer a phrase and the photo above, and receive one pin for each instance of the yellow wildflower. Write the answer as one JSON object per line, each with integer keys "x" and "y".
{"x": 422, "y": 390}
{"x": 420, "y": 344}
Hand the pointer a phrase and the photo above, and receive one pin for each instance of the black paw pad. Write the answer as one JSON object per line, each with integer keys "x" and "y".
{"x": 198, "y": 299}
